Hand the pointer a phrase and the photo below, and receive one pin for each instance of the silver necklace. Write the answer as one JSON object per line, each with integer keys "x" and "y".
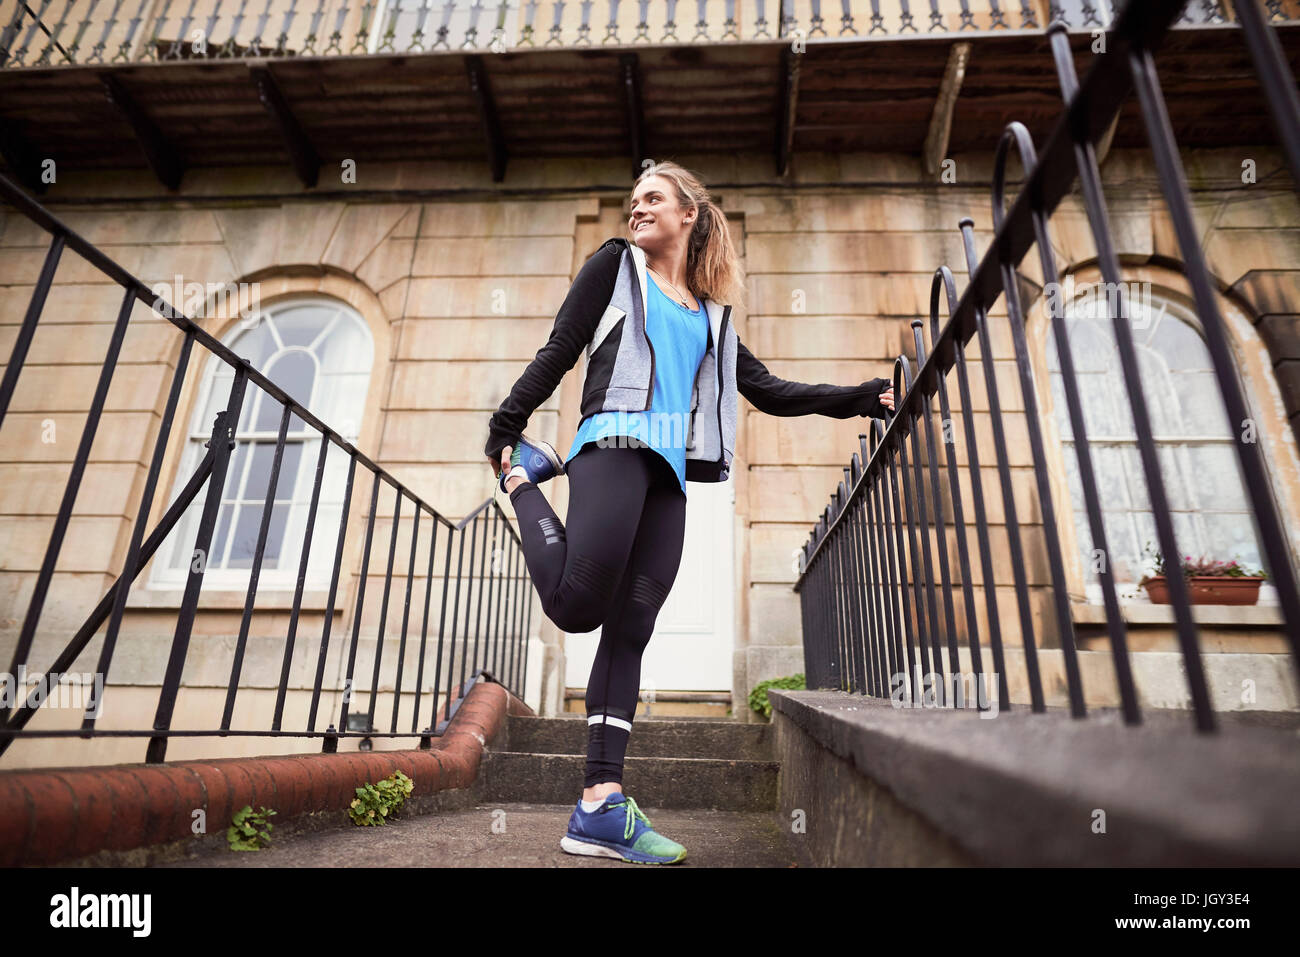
{"x": 670, "y": 285}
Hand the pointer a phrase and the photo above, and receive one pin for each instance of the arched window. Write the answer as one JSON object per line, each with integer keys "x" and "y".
{"x": 1194, "y": 442}
{"x": 320, "y": 352}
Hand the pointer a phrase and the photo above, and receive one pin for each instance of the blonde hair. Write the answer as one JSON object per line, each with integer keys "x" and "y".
{"x": 712, "y": 267}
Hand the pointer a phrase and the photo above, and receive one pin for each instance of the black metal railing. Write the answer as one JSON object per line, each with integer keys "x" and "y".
{"x": 493, "y": 595}
{"x": 43, "y": 33}
{"x": 869, "y": 592}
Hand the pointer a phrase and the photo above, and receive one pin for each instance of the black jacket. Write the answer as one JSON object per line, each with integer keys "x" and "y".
{"x": 604, "y": 313}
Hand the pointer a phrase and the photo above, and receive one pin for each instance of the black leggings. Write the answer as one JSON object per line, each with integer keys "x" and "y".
{"x": 611, "y": 567}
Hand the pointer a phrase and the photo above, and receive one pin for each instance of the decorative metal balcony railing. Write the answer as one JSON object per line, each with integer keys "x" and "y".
{"x": 494, "y": 592}
{"x": 869, "y": 591}
{"x": 45, "y": 33}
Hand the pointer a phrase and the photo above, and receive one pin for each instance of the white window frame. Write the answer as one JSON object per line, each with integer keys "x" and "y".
{"x": 1073, "y": 10}
{"x": 456, "y": 27}
{"x": 168, "y": 573}
{"x": 1168, "y": 309}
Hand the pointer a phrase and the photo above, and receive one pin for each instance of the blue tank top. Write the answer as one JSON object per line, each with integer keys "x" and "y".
{"x": 679, "y": 337}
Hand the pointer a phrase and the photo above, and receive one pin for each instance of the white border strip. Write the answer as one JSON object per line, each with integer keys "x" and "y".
{"x": 610, "y": 719}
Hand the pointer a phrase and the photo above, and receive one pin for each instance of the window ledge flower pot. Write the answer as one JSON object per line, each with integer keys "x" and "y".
{"x": 1208, "y": 590}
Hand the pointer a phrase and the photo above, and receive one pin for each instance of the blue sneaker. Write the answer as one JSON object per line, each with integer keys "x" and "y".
{"x": 533, "y": 461}
{"x": 619, "y": 829}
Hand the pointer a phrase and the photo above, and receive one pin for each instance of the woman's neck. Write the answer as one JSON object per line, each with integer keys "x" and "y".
{"x": 671, "y": 266}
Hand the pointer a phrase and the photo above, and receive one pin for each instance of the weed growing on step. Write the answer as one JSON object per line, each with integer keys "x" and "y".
{"x": 758, "y": 697}
{"x": 375, "y": 803}
{"x": 251, "y": 831}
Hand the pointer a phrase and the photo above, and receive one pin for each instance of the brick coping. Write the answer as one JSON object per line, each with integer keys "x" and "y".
{"x": 54, "y": 815}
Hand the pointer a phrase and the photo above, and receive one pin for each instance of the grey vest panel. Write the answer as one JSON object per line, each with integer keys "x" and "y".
{"x": 631, "y": 380}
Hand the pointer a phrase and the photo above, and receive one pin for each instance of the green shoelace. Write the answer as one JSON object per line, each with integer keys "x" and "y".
{"x": 516, "y": 456}
{"x": 633, "y": 812}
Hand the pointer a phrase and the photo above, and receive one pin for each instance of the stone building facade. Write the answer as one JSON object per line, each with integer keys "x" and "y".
{"x": 456, "y": 294}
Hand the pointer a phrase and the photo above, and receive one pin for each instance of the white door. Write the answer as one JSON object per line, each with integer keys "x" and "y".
{"x": 691, "y": 647}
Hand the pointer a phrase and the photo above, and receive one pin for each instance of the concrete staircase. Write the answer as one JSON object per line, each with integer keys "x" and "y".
{"x": 676, "y": 762}
{"x": 710, "y": 784}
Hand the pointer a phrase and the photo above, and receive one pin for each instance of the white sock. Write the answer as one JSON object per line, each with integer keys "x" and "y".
{"x": 590, "y": 806}
{"x": 520, "y": 471}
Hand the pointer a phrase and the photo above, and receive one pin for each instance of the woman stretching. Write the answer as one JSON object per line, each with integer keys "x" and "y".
{"x": 664, "y": 366}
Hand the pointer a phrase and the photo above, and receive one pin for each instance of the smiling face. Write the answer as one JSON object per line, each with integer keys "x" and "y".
{"x": 656, "y": 216}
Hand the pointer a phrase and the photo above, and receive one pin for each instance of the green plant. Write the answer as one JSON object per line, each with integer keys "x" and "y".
{"x": 375, "y": 803}
{"x": 1201, "y": 567}
{"x": 251, "y": 831}
{"x": 758, "y": 697}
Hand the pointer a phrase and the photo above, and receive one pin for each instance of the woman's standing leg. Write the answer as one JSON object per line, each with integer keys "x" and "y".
{"x": 615, "y": 682}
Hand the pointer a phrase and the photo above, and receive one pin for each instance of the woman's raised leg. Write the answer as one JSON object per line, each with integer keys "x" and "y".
{"x": 576, "y": 565}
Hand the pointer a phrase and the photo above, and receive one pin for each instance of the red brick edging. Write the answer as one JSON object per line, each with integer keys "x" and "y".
{"x": 53, "y": 815}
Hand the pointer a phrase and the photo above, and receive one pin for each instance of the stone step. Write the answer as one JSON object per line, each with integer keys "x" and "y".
{"x": 517, "y": 834}
{"x": 650, "y": 738}
{"x": 709, "y": 710}
{"x": 730, "y": 785}
{"x": 715, "y": 705}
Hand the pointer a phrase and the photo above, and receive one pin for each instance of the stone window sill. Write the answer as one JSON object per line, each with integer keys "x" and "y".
{"x": 160, "y": 599}
{"x": 1250, "y": 616}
